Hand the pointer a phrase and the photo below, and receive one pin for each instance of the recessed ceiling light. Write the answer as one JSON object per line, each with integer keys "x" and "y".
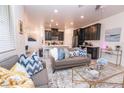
{"x": 55, "y": 11}
{"x": 52, "y": 20}
{"x": 82, "y": 17}
{"x": 71, "y": 23}
{"x": 56, "y": 24}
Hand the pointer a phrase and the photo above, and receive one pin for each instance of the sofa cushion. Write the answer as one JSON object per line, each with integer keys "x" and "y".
{"x": 54, "y": 53}
{"x": 57, "y": 53}
{"x": 40, "y": 78}
{"x": 61, "y": 54}
{"x": 67, "y": 54}
{"x": 74, "y": 53}
{"x": 70, "y": 61}
{"x": 32, "y": 66}
{"x": 82, "y": 52}
{"x": 35, "y": 57}
{"x": 22, "y": 58}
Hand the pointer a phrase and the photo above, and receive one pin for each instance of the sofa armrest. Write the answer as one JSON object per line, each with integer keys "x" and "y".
{"x": 44, "y": 64}
{"x": 41, "y": 78}
{"x": 89, "y": 56}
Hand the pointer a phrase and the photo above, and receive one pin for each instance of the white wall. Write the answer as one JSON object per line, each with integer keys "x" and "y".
{"x": 114, "y": 21}
{"x": 17, "y": 12}
{"x": 38, "y": 30}
{"x": 68, "y": 34}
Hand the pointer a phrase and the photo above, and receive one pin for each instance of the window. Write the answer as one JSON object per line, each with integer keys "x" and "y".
{"x": 7, "y": 41}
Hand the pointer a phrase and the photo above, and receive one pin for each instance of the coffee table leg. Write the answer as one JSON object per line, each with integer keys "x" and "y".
{"x": 123, "y": 83}
{"x": 72, "y": 75}
{"x": 92, "y": 85}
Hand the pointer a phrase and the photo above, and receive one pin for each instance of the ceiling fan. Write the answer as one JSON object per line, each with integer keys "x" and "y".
{"x": 96, "y": 8}
{"x": 99, "y": 7}
{"x": 79, "y": 6}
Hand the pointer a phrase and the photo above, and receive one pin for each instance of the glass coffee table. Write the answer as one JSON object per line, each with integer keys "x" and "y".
{"x": 110, "y": 74}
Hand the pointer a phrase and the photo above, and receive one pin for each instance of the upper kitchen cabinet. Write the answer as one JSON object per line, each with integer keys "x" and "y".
{"x": 95, "y": 31}
{"x": 81, "y": 36}
{"x": 54, "y": 34}
{"x": 48, "y": 35}
{"x": 61, "y": 36}
{"x": 91, "y": 32}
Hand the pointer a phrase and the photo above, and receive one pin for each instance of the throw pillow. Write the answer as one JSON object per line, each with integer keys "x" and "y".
{"x": 67, "y": 54}
{"x": 71, "y": 54}
{"x": 20, "y": 70}
{"x": 22, "y": 57}
{"x": 35, "y": 56}
{"x": 32, "y": 66}
{"x": 74, "y": 53}
{"x": 61, "y": 54}
{"x": 82, "y": 52}
{"x": 54, "y": 53}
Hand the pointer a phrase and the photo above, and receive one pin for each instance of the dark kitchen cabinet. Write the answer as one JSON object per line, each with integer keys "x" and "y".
{"x": 88, "y": 33}
{"x": 81, "y": 36}
{"x": 54, "y": 34}
{"x": 98, "y": 28}
{"x": 76, "y": 32}
{"x": 48, "y": 35}
{"x": 75, "y": 39}
{"x": 61, "y": 36}
{"x": 91, "y": 32}
{"x": 94, "y": 51}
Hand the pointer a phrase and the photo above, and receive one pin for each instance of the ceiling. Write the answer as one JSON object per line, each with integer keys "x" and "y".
{"x": 42, "y": 14}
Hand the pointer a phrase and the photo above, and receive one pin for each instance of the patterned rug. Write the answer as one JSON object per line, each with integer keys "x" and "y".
{"x": 63, "y": 79}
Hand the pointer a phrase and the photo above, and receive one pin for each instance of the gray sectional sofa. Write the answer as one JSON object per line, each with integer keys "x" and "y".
{"x": 40, "y": 79}
{"x": 69, "y": 62}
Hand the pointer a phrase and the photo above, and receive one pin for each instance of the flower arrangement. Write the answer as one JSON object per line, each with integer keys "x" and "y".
{"x": 101, "y": 62}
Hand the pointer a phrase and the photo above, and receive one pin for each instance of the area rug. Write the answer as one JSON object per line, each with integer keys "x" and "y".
{"x": 63, "y": 79}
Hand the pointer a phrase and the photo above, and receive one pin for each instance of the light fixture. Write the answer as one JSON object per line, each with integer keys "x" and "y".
{"x": 56, "y": 24}
{"x": 52, "y": 20}
{"x": 55, "y": 11}
{"x": 82, "y": 17}
{"x": 71, "y": 23}
{"x": 102, "y": 6}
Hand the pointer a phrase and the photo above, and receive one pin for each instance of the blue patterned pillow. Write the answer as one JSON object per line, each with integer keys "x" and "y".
{"x": 32, "y": 67}
{"x": 35, "y": 56}
{"x": 22, "y": 57}
{"x": 71, "y": 53}
{"x": 82, "y": 52}
{"x": 74, "y": 53}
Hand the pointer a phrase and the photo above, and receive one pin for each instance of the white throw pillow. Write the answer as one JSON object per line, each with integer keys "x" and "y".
{"x": 54, "y": 53}
{"x": 67, "y": 54}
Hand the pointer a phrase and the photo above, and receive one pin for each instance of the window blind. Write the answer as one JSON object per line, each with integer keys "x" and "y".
{"x": 7, "y": 42}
